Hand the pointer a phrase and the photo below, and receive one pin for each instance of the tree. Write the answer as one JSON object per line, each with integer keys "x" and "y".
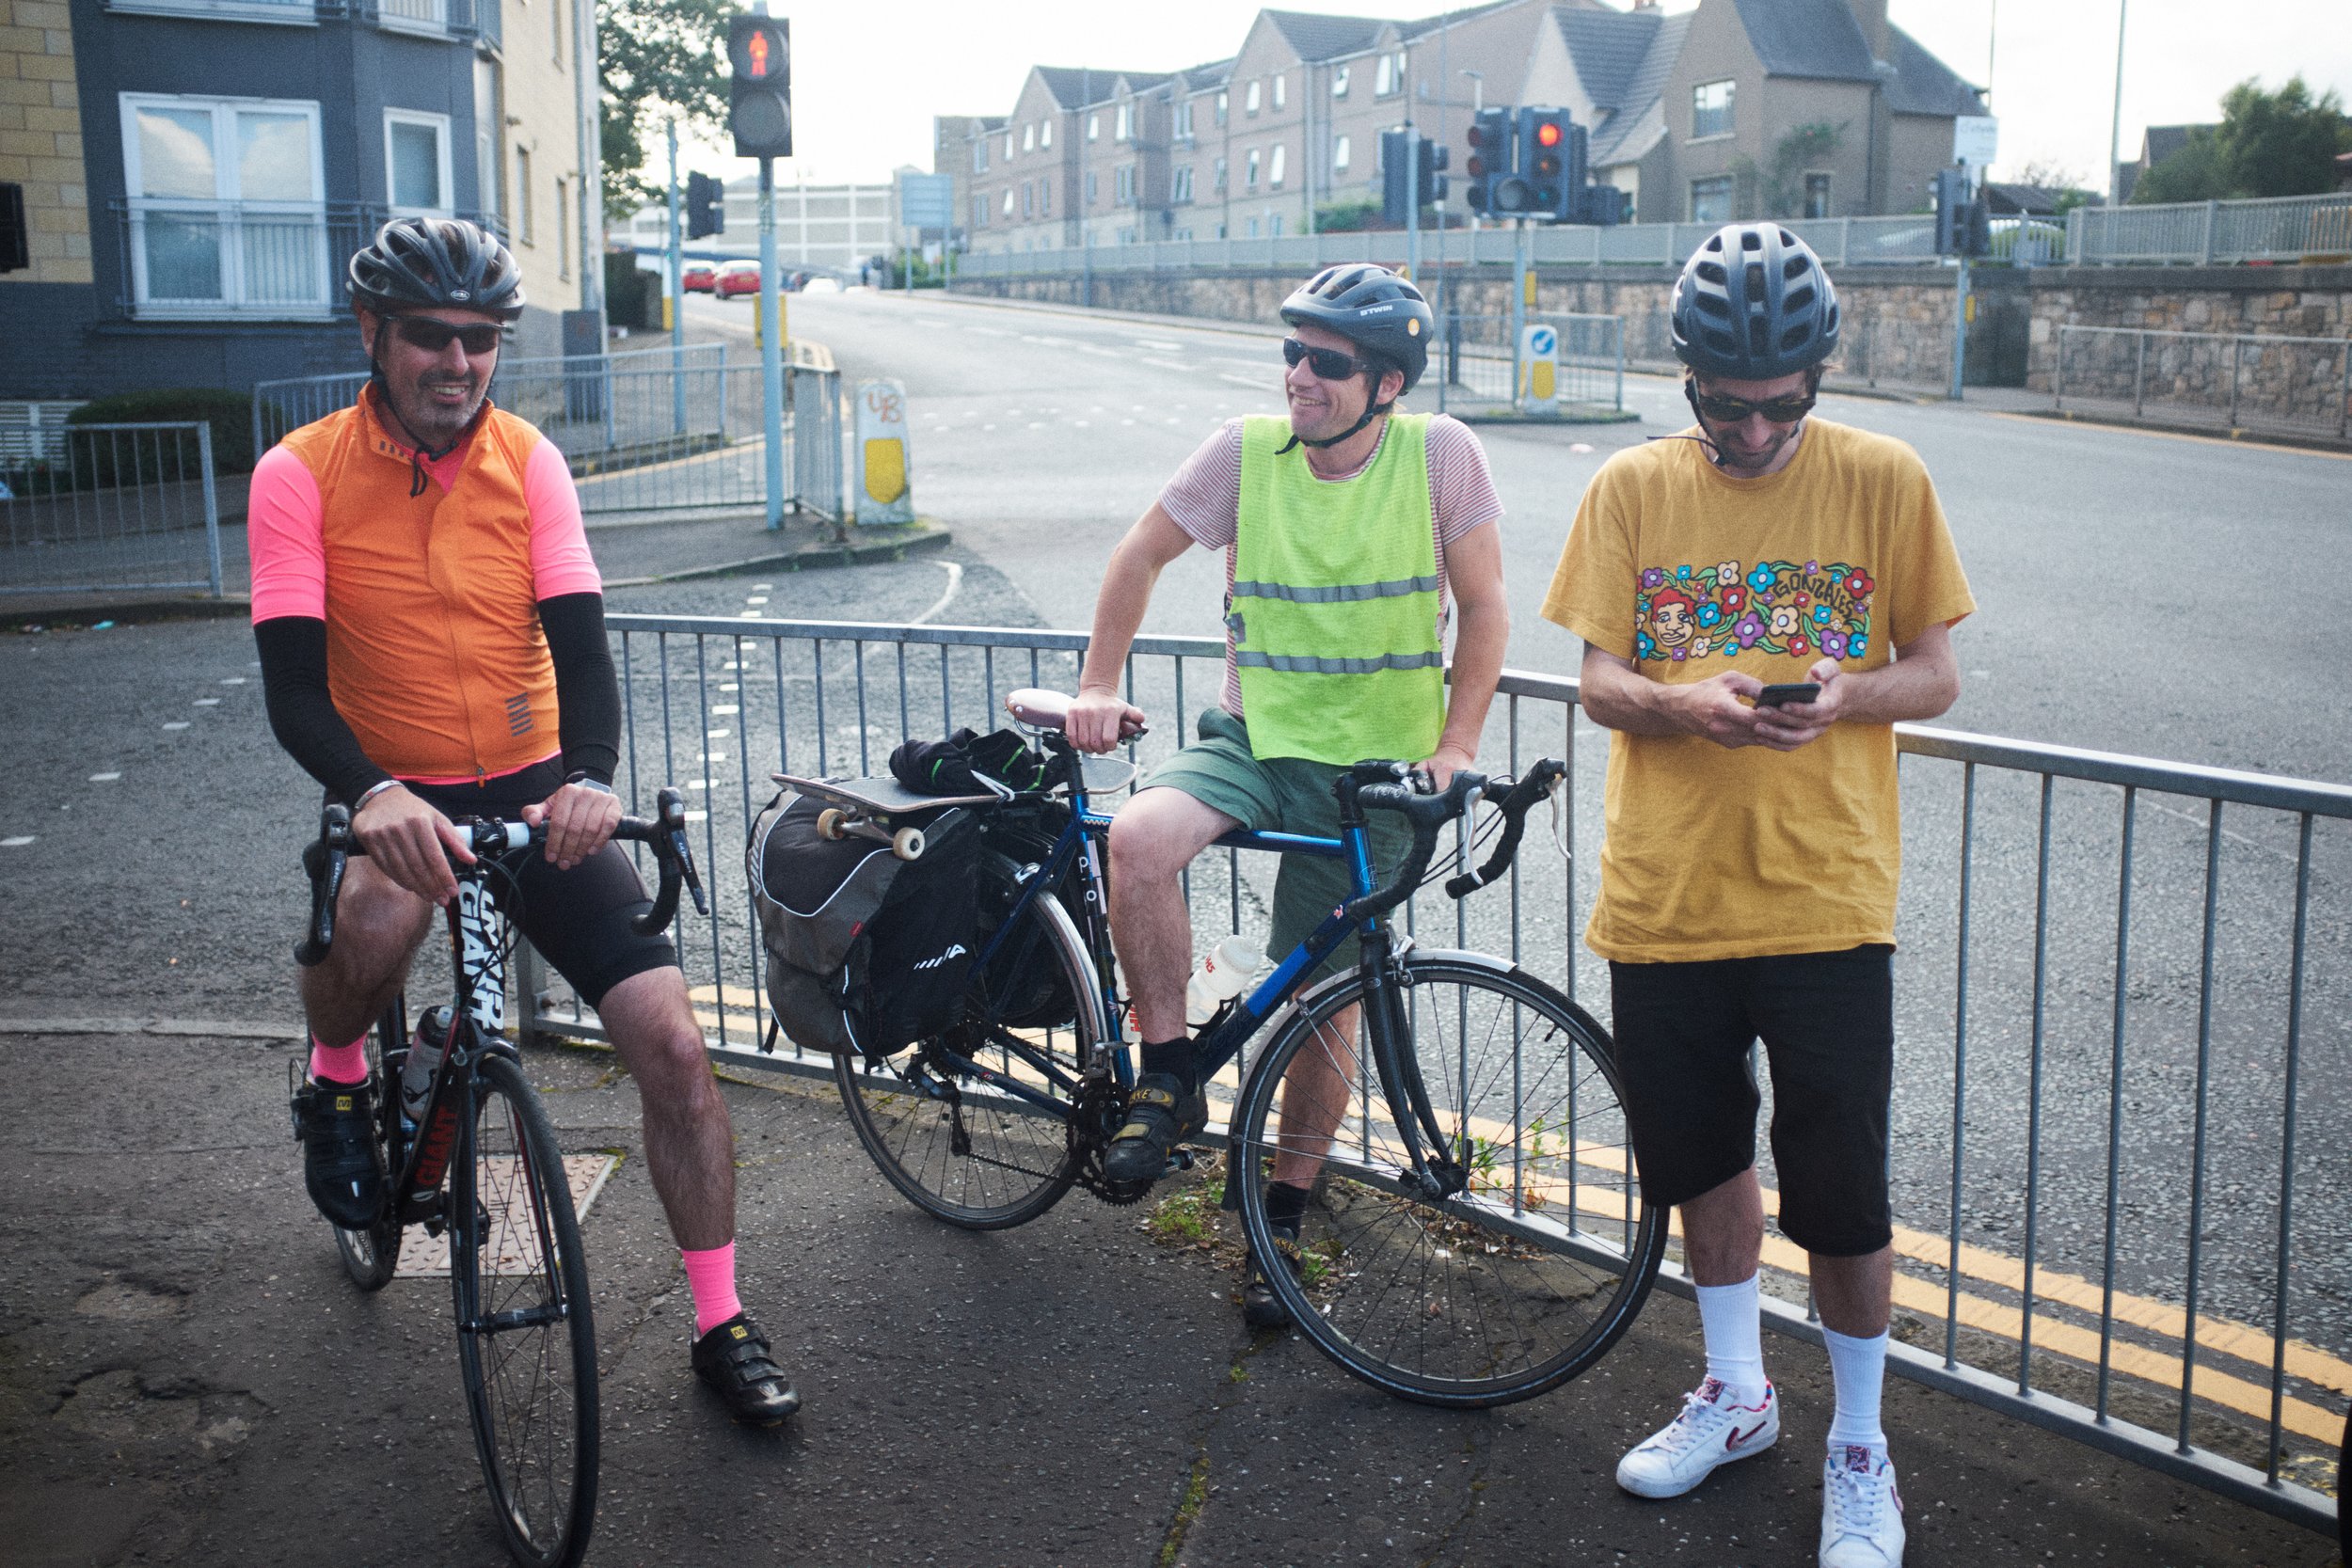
{"x": 1806, "y": 147}
{"x": 2282, "y": 143}
{"x": 2048, "y": 174}
{"x": 662, "y": 60}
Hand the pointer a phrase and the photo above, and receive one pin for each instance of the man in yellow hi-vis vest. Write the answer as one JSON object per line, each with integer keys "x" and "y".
{"x": 1347, "y": 528}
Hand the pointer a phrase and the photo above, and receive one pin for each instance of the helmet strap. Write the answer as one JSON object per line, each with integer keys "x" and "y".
{"x": 1372, "y": 410}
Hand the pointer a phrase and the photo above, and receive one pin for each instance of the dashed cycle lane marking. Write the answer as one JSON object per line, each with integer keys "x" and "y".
{"x": 19, "y": 842}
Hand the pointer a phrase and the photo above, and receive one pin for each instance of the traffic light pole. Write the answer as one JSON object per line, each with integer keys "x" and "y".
{"x": 1519, "y": 306}
{"x": 1412, "y": 201}
{"x": 677, "y": 298}
{"x": 1960, "y": 327}
{"x": 771, "y": 342}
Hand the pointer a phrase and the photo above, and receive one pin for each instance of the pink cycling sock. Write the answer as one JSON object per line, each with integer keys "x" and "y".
{"x": 339, "y": 1064}
{"x": 710, "y": 1275}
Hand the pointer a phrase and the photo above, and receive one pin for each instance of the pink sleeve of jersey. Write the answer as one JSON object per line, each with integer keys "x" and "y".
{"x": 1204, "y": 497}
{"x": 285, "y": 539}
{"x": 560, "y": 562}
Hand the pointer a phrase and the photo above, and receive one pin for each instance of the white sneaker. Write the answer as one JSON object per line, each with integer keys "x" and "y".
{"x": 1862, "y": 1513}
{"x": 1712, "y": 1431}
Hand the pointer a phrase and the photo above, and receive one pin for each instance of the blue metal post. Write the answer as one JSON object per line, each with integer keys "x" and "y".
{"x": 771, "y": 342}
{"x": 677, "y": 298}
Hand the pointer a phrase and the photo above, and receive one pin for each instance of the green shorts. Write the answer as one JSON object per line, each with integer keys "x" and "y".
{"x": 1288, "y": 794}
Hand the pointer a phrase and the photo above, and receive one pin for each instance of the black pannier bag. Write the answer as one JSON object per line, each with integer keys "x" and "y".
{"x": 866, "y": 952}
{"x": 1024, "y": 980}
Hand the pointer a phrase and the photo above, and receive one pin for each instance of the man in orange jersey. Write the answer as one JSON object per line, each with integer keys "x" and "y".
{"x": 431, "y": 628}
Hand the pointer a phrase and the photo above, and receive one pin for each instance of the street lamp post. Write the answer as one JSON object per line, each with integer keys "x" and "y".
{"x": 2115, "y": 129}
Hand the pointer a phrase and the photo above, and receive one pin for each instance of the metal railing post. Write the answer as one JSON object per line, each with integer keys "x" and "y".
{"x": 2236, "y": 345}
{"x": 2343, "y": 395}
{"x": 2205, "y": 244}
{"x": 212, "y": 503}
{"x": 2139, "y": 374}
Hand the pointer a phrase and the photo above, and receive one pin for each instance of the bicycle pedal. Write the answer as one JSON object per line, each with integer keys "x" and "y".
{"x": 1180, "y": 1159}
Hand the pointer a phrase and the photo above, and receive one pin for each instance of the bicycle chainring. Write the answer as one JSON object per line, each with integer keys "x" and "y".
{"x": 1095, "y": 1120}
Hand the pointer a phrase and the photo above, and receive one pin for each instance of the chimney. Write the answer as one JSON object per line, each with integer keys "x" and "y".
{"x": 1872, "y": 15}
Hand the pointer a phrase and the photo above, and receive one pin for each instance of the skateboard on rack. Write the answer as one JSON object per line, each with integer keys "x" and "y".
{"x": 868, "y": 808}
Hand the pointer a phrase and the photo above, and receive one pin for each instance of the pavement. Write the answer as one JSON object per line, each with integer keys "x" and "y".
{"x": 186, "y": 1376}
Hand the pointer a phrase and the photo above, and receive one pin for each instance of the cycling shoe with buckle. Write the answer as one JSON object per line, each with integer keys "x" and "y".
{"x": 1162, "y": 1112}
{"x": 734, "y": 1360}
{"x": 1260, "y": 1306}
{"x": 335, "y": 1124}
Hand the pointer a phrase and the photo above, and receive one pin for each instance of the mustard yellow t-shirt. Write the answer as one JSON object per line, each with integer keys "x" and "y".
{"x": 1714, "y": 854}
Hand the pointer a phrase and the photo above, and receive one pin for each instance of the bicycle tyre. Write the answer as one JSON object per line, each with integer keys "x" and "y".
{"x": 526, "y": 1338}
{"x": 1508, "y": 1289}
{"x": 372, "y": 1253}
{"x": 1015, "y": 1161}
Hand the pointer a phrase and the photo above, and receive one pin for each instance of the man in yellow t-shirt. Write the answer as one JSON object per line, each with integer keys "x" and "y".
{"x": 1761, "y": 599}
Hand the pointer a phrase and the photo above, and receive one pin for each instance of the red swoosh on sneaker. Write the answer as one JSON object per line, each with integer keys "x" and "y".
{"x": 1733, "y": 1439}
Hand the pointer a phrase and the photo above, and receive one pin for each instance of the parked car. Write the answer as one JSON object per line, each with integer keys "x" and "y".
{"x": 820, "y": 284}
{"x": 738, "y": 277}
{"x": 699, "y": 278}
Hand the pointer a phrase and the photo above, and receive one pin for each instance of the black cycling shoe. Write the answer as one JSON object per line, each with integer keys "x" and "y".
{"x": 335, "y": 1124}
{"x": 1162, "y": 1112}
{"x": 1260, "y": 1306}
{"x": 733, "y": 1358}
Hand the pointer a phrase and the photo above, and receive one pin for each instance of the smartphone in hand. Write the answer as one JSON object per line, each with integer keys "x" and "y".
{"x": 1791, "y": 691}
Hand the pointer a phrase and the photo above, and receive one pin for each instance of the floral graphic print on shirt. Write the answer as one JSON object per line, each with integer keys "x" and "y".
{"x": 1805, "y": 610}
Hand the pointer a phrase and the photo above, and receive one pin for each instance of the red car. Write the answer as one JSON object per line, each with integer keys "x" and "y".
{"x": 699, "y": 278}
{"x": 738, "y": 277}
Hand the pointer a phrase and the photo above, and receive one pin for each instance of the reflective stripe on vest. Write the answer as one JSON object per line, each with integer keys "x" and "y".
{"x": 1334, "y": 616}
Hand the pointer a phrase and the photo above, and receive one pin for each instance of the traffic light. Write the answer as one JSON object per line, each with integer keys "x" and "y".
{"x": 759, "y": 111}
{"x": 706, "y": 206}
{"x": 1399, "y": 175}
{"x": 1951, "y": 200}
{"x": 1489, "y": 160}
{"x": 1432, "y": 183}
{"x": 1543, "y": 138}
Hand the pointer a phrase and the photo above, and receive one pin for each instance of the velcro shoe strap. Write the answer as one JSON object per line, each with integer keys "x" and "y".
{"x": 1154, "y": 1096}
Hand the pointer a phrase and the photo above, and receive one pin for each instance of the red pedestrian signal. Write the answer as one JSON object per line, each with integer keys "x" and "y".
{"x": 759, "y": 110}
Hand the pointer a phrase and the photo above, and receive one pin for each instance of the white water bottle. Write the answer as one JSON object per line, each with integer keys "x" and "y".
{"x": 425, "y": 1048}
{"x": 1222, "y": 975}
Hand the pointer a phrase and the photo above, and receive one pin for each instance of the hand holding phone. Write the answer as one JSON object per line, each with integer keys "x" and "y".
{"x": 1790, "y": 691}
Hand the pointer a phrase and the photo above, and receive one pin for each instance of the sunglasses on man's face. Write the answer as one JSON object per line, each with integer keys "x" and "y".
{"x": 1724, "y": 410}
{"x": 1327, "y": 364}
{"x": 480, "y": 338}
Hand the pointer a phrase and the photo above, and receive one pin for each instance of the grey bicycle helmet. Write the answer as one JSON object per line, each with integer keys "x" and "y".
{"x": 437, "y": 262}
{"x": 1371, "y": 307}
{"x": 1754, "y": 304}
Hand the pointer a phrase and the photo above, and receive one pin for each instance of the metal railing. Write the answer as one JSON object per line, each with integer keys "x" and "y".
{"x": 110, "y": 506}
{"x": 239, "y": 260}
{"x": 2121, "y": 1007}
{"x": 2233, "y": 381}
{"x": 2213, "y": 233}
{"x": 1479, "y": 361}
{"x": 646, "y": 429}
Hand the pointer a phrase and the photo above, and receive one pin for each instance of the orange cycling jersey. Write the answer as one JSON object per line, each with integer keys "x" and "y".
{"x": 434, "y": 654}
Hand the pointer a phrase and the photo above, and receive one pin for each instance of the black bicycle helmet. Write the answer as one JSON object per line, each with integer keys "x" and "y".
{"x": 1371, "y": 307}
{"x": 1753, "y": 304}
{"x": 437, "y": 262}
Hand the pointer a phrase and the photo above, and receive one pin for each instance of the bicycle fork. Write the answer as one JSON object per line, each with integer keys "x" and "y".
{"x": 1437, "y": 1174}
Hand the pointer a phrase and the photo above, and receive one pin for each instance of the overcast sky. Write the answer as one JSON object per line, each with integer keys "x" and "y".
{"x": 867, "y": 79}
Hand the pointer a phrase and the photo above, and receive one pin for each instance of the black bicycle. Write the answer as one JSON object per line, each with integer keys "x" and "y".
{"x": 1476, "y": 1234}
{"x": 479, "y": 1166}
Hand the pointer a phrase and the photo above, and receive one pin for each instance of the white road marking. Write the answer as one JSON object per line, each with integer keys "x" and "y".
{"x": 729, "y": 686}
{"x": 177, "y": 724}
{"x": 698, "y": 816}
{"x": 1254, "y": 382}
{"x": 724, "y": 707}
{"x": 1126, "y": 422}
{"x": 1161, "y": 343}
{"x": 17, "y": 842}
{"x": 104, "y": 778}
{"x": 208, "y": 702}
{"x": 955, "y": 583}
{"x": 716, "y": 734}
{"x": 751, "y": 615}
{"x": 1036, "y": 424}
{"x": 234, "y": 680}
{"x": 988, "y": 332}
{"x": 1165, "y": 364}
{"x": 761, "y": 587}
{"x": 757, "y": 598}
{"x": 1076, "y": 424}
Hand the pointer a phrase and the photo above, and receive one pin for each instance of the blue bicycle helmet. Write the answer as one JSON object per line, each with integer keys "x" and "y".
{"x": 1754, "y": 304}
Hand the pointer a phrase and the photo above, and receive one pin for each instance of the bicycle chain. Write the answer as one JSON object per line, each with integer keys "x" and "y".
{"x": 1094, "y": 1120}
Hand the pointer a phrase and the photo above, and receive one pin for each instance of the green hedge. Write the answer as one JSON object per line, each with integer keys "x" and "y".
{"x": 230, "y": 414}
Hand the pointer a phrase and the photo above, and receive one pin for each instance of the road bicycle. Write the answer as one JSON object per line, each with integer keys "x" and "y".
{"x": 1475, "y": 1234}
{"x": 480, "y": 1168}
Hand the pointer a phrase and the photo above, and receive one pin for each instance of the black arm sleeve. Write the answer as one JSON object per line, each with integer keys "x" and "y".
{"x": 587, "y": 694}
{"x": 302, "y": 714}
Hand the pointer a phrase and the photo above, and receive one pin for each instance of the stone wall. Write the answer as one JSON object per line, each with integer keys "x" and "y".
{"x": 41, "y": 139}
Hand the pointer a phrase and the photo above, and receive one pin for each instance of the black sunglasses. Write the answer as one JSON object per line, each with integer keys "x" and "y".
{"x": 1724, "y": 410}
{"x": 480, "y": 338}
{"x": 1328, "y": 364}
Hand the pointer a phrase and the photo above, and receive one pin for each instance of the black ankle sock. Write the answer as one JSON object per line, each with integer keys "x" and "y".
{"x": 1170, "y": 1056}
{"x": 1285, "y": 1205}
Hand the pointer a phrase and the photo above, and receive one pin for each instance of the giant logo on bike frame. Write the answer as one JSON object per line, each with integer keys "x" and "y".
{"x": 1803, "y": 609}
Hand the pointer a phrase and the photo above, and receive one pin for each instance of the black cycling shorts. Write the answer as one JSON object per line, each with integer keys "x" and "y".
{"x": 1827, "y": 1021}
{"x": 578, "y": 919}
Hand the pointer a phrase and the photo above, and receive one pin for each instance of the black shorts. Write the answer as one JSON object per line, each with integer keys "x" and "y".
{"x": 578, "y": 919}
{"x": 1827, "y": 1021}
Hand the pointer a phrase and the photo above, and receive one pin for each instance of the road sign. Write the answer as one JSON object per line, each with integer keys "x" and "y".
{"x": 926, "y": 200}
{"x": 885, "y": 493}
{"x": 1539, "y": 363}
{"x": 1975, "y": 141}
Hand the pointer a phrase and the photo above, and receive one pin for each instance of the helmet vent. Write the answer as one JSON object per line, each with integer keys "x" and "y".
{"x": 1797, "y": 298}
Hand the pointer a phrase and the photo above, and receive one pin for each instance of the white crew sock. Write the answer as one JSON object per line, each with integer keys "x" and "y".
{"x": 1859, "y": 1368}
{"x": 1732, "y": 1321}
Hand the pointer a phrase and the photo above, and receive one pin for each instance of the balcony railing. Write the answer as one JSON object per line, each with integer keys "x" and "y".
{"x": 232, "y": 260}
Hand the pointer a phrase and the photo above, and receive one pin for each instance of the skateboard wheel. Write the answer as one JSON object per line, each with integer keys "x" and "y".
{"x": 828, "y": 823}
{"x": 907, "y": 843}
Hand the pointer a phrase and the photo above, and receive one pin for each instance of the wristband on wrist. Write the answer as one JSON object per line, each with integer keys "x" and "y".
{"x": 589, "y": 781}
{"x": 372, "y": 792}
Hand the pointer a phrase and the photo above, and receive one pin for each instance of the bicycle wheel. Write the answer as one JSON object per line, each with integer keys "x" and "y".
{"x": 370, "y": 1254}
{"x": 526, "y": 1342}
{"x": 960, "y": 1148}
{"x": 1509, "y": 1285}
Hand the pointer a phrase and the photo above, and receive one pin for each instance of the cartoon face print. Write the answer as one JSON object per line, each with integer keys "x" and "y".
{"x": 1672, "y": 619}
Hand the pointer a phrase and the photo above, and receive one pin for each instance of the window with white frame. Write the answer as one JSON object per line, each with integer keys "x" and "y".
{"x": 1389, "y": 79}
{"x": 1126, "y": 182}
{"x": 1179, "y": 186}
{"x": 1817, "y": 193}
{"x": 1126, "y": 127}
{"x": 1045, "y": 132}
{"x": 1711, "y": 110}
{"x": 1250, "y": 104}
{"x": 1250, "y": 170}
{"x": 979, "y": 211}
{"x": 1339, "y": 154}
{"x": 1008, "y": 201}
{"x": 228, "y": 205}
{"x": 1338, "y": 81}
{"x": 1280, "y": 97}
{"x": 416, "y": 163}
{"x": 1710, "y": 200}
{"x": 1028, "y": 138}
{"x": 1274, "y": 166}
{"x": 1220, "y": 180}
{"x": 1274, "y": 225}
{"x": 1090, "y": 187}
{"x": 980, "y": 154}
{"x": 1224, "y": 101}
{"x": 1007, "y": 144}
{"x": 523, "y": 227}
{"x": 1045, "y": 199}
{"x": 1094, "y": 127}
{"x": 1184, "y": 119}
